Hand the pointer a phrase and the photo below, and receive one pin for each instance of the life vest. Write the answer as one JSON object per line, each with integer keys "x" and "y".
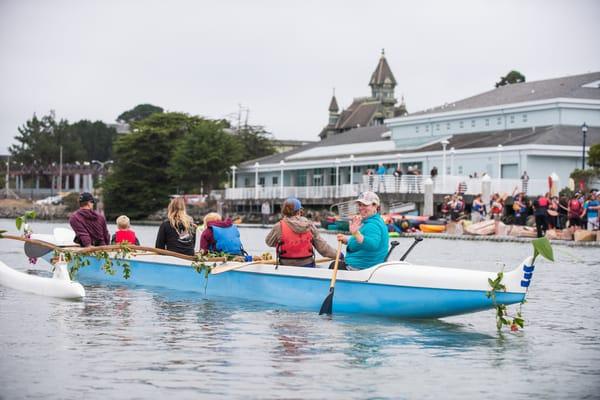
{"x": 127, "y": 235}
{"x": 227, "y": 239}
{"x": 575, "y": 207}
{"x": 543, "y": 202}
{"x": 496, "y": 208}
{"x": 293, "y": 244}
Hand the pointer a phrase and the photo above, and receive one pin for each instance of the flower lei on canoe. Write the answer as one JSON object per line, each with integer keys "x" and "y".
{"x": 541, "y": 246}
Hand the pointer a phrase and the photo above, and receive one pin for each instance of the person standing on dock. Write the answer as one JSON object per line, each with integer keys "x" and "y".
{"x": 89, "y": 226}
{"x": 368, "y": 243}
{"x": 294, "y": 237}
{"x": 265, "y": 212}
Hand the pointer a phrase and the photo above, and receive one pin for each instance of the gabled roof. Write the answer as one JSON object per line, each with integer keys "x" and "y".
{"x": 360, "y": 113}
{"x": 382, "y": 74}
{"x": 552, "y": 135}
{"x": 565, "y": 87}
{"x": 355, "y": 136}
{"x": 372, "y": 141}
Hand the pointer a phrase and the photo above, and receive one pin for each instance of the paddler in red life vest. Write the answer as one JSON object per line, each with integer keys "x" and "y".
{"x": 124, "y": 232}
{"x": 295, "y": 237}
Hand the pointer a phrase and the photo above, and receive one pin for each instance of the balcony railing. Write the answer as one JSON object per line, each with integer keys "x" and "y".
{"x": 388, "y": 184}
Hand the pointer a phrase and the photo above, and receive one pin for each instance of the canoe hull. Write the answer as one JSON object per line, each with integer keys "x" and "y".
{"x": 50, "y": 287}
{"x": 356, "y": 292}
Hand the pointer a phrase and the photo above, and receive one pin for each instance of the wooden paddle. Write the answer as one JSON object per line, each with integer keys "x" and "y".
{"x": 327, "y": 306}
{"x": 226, "y": 268}
{"x": 38, "y": 248}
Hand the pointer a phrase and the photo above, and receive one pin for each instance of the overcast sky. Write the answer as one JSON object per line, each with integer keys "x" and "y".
{"x": 94, "y": 59}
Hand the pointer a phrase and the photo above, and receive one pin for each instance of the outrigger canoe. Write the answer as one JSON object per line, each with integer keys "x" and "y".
{"x": 395, "y": 288}
{"x": 59, "y": 285}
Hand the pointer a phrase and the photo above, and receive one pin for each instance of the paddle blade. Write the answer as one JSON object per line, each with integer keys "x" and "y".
{"x": 327, "y": 306}
{"x": 33, "y": 250}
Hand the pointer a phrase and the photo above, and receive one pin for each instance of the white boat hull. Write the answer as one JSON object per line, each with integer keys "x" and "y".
{"x": 57, "y": 286}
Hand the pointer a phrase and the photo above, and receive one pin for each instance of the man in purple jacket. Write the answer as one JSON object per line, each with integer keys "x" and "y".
{"x": 89, "y": 226}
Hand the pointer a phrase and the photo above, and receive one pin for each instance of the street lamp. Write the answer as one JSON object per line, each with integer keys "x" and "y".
{"x": 584, "y": 129}
{"x": 281, "y": 165}
{"x": 452, "y": 151}
{"x": 233, "y": 168}
{"x": 444, "y": 143}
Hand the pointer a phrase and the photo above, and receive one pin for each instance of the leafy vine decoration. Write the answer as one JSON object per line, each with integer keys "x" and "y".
{"x": 541, "y": 246}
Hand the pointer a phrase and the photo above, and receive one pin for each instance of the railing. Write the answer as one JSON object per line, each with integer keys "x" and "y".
{"x": 389, "y": 184}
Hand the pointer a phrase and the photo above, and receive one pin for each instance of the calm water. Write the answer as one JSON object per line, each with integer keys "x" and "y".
{"x": 126, "y": 343}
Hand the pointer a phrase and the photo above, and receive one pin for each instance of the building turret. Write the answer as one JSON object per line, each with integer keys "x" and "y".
{"x": 334, "y": 114}
{"x": 382, "y": 85}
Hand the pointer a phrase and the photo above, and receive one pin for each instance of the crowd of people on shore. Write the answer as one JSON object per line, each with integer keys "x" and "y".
{"x": 578, "y": 211}
{"x": 295, "y": 238}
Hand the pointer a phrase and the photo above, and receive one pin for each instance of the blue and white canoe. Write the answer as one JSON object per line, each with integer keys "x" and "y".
{"x": 395, "y": 288}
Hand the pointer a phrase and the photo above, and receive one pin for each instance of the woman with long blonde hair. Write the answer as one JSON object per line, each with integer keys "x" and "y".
{"x": 178, "y": 232}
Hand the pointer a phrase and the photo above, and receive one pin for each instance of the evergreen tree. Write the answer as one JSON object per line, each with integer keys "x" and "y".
{"x": 510, "y": 78}
{"x": 203, "y": 157}
{"x": 139, "y": 112}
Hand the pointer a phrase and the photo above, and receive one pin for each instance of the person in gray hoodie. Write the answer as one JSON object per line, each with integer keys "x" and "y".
{"x": 89, "y": 226}
{"x": 295, "y": 237}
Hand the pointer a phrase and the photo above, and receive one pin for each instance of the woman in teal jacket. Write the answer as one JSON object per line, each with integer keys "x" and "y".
{"x": 369, "y": 242}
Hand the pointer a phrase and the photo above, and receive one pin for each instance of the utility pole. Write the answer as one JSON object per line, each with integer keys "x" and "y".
{"x": 246, "y": 123}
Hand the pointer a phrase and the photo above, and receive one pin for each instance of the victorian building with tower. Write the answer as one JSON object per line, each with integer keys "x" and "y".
{"x": 538, "y": 127}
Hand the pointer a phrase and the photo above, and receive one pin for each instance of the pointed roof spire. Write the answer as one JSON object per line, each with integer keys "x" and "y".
{"x": 382, "y": 72}
{"x": 333, "y": 105}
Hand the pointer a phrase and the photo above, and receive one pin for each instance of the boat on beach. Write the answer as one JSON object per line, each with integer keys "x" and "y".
{"x": 394, "y": 288}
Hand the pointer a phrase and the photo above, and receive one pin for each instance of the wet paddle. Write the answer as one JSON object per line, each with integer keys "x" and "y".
{"x": 327, "y": 306}
{"x": 417, "y": 240}
{"x": 226, "y": 268}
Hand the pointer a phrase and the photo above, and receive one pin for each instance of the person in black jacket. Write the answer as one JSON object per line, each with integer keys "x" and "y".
{"x": 178, "y": 233}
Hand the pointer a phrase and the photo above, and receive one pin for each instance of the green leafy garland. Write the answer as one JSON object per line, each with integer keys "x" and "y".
{"x": 541, "y": 246}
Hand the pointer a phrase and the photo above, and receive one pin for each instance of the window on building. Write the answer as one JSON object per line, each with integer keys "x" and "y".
{"x": 246, "y": 182}
{"x": 524, "y": 117}
{"x": 301, "y": 177}
{"x": 499, "y": 120}
{"x": 332, "y": 176}
{"x": 426, "y": 128}
{"x": 275, "y": 181}
{"x": 461, "y": 124}
{"x": 472, "y": 123}
{"x": 448, "y": 126}
{"x": 460, "y": 169}
{"x": 487, "y": 122}
{"x": 417, "y": 129}
{"x": 261, "y": 181}
{"x": 437, "y": 127}
{"x": 512, "y": 119}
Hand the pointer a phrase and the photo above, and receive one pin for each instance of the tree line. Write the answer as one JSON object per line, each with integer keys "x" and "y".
{"x": 164, "y": 153}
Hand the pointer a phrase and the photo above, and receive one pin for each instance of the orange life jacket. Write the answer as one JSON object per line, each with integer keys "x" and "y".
{"x": 293, "y": 244}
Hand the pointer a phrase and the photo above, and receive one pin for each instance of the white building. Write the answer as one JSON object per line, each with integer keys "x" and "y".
{"x": 531, "y": 126}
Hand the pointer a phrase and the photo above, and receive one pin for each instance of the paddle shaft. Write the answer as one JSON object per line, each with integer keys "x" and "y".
{"x": 336, "y": 265}
{"x": 113, "y": 247}
{"x": 417, "y": 240}
{"x": 226, "y": 268}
